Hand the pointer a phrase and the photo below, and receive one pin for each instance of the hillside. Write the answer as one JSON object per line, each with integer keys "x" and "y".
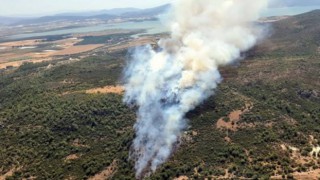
{"x": 295, "y": 35}
{"x": 262, "y": 122}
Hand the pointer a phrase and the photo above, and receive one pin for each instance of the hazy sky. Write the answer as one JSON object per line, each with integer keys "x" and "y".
{"x": 299, "y": 2}
{"x": 45, "y": 7}
{"x": 42, "y": 7}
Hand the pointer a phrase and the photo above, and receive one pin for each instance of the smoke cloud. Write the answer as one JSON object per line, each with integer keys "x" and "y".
{"x": 167, "y": 83}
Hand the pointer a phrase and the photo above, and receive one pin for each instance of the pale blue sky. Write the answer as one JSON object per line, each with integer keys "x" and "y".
{"x": 43, "y": 7}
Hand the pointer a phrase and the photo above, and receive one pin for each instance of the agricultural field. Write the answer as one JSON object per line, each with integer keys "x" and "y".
{"x": 48, "y": 48}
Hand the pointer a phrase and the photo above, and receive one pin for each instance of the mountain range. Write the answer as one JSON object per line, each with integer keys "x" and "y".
{"x": 125, "y": 12}
{"x": 98, "y": 15}
{"x": 10, "y": 20}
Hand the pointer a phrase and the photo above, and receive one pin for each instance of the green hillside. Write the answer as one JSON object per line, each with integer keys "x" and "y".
{"x": 296, "y": 35}
{"x": 263, "y": 120}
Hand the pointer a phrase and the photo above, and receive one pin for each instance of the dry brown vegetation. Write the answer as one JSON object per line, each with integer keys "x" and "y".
{"x": 227, "y": 175}
{"x": 19, "y": 63}
{"x": 310, "y": 175}
{"x": 107, "y": 173}
{"x": 232, "y": 119}
{"x": 9, "y": 173}
{"x": 72, "y": 157}
{"x": 13, "y": 57}
{"x": 101, "y": 90}
{"x": 182, "y": 178}
{"x": 106, "y": 90}
{"x": 21, "y": 43}
{"x": 77, "y": 49}
{"x": 77, "y": 143}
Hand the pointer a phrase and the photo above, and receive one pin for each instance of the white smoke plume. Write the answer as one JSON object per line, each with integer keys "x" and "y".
{"x": 168, "y": 83}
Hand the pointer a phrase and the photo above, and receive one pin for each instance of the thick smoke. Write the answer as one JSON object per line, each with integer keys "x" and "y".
{"x": 168, "y": 83}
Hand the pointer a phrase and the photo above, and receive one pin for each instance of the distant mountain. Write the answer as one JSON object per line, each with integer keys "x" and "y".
{"x": 48, "y": 19}
{"x": 10, "y": 20}
{"x": 115, "y": 12}
{"x": 100, "y": 15}
{"x": 301, "y": 3}
{"x": 148, "y": 12}
{"x": 294, "y": 3}
{"x": 120, "y": 11}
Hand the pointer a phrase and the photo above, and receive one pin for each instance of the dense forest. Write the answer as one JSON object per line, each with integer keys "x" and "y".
{"x": 50, "y": 128}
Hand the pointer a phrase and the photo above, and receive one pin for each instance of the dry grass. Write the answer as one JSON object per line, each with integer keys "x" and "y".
{"x": 234, "y": 118}
{"x": 103, "y": 90}
{"x": 12, "y": 58}
{"x": 21, "y": 43}
{"x": 9, "y": 57}
{"x": 77, "y": 49}
{"x": 181, "y": 178}
{"x": 76, "y": 143}
{"x": 19, "y": 63}
{"x": 106, "y": 90}
{"x": 226, "y": 176}
{"x": 72, "y": 157}
{"x": 310, "y": 175}
{"x": 15, "y": 58}
{"x": 9, "y": 173}
{"x": 295, "y": 154}
{"x": 107, "y": 173}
